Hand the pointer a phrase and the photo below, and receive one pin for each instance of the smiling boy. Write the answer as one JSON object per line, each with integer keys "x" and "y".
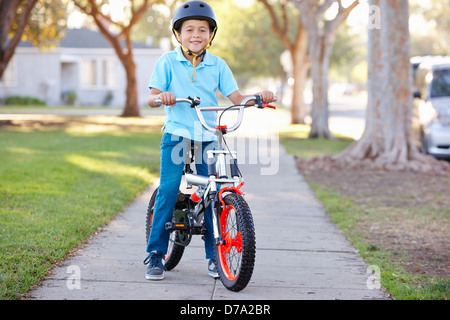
{"x": 189, "y": 70}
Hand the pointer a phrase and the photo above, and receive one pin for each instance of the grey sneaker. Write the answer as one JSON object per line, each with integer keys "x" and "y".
{"x": 155, "y": 270}
{"x": 212, "y": 269}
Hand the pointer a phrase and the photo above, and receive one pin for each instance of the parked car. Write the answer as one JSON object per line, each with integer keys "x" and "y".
{"x": 432, "y": 107}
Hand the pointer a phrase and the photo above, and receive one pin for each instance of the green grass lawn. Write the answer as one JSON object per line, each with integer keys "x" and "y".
{"x": 295, "y": 140}
{"x": 58, "y": 184}
{"x": 390, "y": 264}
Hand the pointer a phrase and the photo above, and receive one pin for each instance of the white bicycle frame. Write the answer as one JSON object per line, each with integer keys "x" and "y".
{"x": 219, "y": 176}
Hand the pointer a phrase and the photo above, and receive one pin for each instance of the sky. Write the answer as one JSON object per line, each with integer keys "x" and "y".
{"x": 357, "y": 19}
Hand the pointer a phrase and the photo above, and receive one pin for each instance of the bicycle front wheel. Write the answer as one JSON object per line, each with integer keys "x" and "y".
{"x": 235, "y": 257}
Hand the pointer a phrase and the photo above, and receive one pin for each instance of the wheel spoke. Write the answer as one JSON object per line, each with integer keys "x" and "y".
{"x": 232, "y": 248}
{"x": 235, "y": 256}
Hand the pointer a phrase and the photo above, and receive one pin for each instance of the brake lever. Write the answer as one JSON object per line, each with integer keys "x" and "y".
{"x": 195, "y": 101}
{"x": 260, "y": 105}
{"x": 258, "y": 102}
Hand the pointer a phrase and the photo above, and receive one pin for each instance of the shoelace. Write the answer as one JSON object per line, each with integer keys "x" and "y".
{"x": 154, "y": 260}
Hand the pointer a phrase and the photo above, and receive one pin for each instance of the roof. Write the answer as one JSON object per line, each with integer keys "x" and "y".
{"x": 86, "y": 38}
{"x": 435, "y": 62}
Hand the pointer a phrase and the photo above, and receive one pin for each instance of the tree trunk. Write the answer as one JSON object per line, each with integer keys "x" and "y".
{"x": 397, "y": 98}
{"x": 298, "y": 108}
{"x": 8, "y": 9}
{"x": 299, "y": 56}
{"x": 300, "y": 67}
{"x": 387, "y": 140}
{"x": 371, "y": 142}
{"x": 131, "y": 108}
{"x": 321, "y": 36}
{"x": 320, "y": 60}
{"x": 125, "y": 55}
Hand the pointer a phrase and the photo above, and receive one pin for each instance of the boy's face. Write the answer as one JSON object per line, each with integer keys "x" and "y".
{"x": 194, "y": 35}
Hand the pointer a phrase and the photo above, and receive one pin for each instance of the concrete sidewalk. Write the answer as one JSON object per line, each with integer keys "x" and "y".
{"x": 301, "y": 255}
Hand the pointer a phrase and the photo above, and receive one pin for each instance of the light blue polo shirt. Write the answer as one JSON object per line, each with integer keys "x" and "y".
{"x": 173, "y": 73}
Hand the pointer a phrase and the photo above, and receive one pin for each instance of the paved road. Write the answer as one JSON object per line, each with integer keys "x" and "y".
{"x": 347, "y": 115}
{"x": 301, "y": 255}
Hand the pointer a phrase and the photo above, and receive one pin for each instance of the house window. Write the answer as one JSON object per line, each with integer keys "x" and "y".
{"x": 89, "y": 73}
{"x": 109, "y": 73}
{"x": 99, "y": 73}
{"x": 9, "y": 75}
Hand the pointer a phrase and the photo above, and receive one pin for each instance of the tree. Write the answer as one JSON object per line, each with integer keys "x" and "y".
{"x": 260, "y": 56}
{"x": 321, "y": 36}
{"x": 8, "y": 10}
{"x": 298, "y": 52}
{"x": 387, "y": 140}
{"x": 38, "y": 21}
{"x": 104, "y": 23}
{"x": 155, "y": 24}
{"x": 434, "y": 38}
{"x": 47, "y": 24}
{"x": 41, "y": 22}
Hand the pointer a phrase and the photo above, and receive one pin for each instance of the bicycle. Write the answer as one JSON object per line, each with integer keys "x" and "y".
{"x": 234, "y": 232}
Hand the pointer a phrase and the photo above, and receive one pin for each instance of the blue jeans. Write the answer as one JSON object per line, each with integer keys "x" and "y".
{"x": 173, "y": 156}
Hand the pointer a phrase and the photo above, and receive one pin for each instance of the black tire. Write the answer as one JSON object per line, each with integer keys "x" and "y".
{"x": 174, "y": 250}
{"x": 235, "y": 258}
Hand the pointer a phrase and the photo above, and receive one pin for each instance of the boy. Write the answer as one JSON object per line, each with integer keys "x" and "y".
{"x": 190, "y": 70}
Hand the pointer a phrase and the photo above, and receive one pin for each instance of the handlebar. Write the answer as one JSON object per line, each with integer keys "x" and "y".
{"x": 195, "y": 102}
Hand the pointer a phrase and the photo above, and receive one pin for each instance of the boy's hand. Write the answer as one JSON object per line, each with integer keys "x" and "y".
{"x": 267, "y": 96}
{"x": 167, "y": 99}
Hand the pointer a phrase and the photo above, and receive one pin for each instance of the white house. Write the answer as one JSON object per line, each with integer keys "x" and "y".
{"x": 83, "y": 64}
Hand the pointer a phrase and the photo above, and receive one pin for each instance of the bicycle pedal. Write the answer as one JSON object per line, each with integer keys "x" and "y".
{"x": 171, "y": 226}
{"x": 197, "y": 230}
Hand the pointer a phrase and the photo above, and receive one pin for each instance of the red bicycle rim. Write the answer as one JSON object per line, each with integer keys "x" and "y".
{"x": 230, "y": 251}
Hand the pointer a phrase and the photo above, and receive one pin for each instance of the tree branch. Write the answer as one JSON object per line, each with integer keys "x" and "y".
{"x": 9, "y": 9}
{"x": 324, "y": 7}
{"x": 92, "y": 10}
{"x": 279, "y": 31}
{"x": 136, "y": 16}
{"x": 343, "y": 13}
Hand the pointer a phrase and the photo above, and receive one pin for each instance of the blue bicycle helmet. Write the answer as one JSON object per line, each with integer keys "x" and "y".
{"x": 194, "y": 10}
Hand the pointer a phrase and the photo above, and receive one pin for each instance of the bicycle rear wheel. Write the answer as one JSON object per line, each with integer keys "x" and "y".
{"x": 174, "y": 249}
{"x": 235, "y": 258}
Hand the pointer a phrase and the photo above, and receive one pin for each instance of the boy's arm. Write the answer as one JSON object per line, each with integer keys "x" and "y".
{"x": 167, "y": 98}
{"x": 237, "y": 97}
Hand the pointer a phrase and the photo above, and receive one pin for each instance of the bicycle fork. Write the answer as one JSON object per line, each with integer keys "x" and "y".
{"x": 219, "y": 170}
